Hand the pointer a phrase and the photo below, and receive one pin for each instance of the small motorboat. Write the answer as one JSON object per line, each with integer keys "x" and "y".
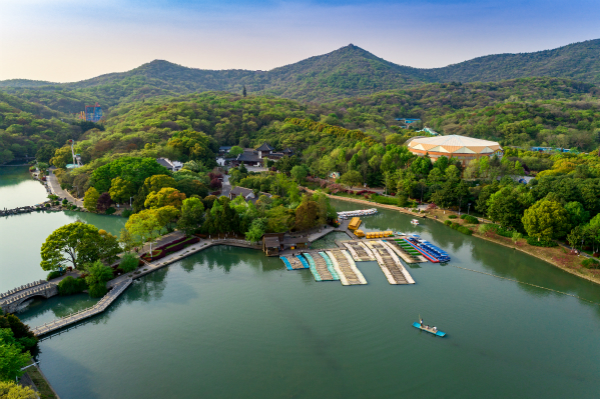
{"x": 429, "y": 329}
{"x": 414, "y": 222}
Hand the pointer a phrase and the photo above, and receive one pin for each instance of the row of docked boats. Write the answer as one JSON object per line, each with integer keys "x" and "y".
{"x": 360, "y": 212}
{"x": 427, "y": 249}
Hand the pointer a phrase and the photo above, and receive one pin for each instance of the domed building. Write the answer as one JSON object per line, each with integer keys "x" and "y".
{"x": 459, "y": 147}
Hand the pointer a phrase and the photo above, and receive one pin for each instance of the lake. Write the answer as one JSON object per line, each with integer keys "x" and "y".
{"x": 232, "y": 323}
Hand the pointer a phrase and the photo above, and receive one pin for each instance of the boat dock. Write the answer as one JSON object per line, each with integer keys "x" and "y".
{"x": 321, "y": 267}
{"x": 390, "y": 264}
{"x": 345, "y": 267}
{"x": 406, "y": 251}
{"x": 294, "y": 262}
{"x": 359, "y": 251}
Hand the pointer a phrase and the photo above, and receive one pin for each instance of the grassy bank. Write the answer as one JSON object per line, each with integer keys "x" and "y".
{"x": 43, "y": 386}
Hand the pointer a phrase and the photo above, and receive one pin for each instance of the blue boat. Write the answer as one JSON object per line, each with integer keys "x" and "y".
{"x": 429, "y": 330}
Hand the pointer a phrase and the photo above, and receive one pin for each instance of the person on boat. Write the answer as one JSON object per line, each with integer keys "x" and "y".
{"x": 421, "y": 321}
{"x": 434, "y": 329}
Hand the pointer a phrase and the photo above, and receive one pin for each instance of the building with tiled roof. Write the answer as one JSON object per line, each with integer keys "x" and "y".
{"x": 459, "y": 147}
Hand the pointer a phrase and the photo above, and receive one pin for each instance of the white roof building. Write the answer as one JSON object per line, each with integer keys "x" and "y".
{"x": 461, "y": 147}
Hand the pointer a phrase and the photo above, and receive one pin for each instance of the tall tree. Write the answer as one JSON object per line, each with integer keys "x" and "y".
{"x": 546, "y": 220}
{"x": 90, "y": 201}
{"x": 76, "y": 244}
{"x": 192, "y": 216}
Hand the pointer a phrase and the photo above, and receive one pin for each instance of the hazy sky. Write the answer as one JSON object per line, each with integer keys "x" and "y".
{"x": 68, "y": 40}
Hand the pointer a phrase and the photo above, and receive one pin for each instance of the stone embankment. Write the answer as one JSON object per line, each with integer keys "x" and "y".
{"x": 20, "y": 210}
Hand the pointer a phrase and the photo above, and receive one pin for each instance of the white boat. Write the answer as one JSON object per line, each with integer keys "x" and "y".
{"x": 361, "y": 212}
{"x": 414, "y": 222}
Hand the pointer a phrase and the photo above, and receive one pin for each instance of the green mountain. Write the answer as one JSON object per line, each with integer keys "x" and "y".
{"x": 347, "y": 72}
{"x": 578, "y": 61}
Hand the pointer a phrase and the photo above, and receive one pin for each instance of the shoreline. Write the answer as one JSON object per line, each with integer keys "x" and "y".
{"x": 498, "y": 240}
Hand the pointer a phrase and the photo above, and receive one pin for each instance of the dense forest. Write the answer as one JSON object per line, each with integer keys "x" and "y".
{"x": 347, "y": 72}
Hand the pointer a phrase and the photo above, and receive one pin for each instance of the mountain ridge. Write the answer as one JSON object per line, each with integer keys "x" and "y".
{"x": 349, "y": 71}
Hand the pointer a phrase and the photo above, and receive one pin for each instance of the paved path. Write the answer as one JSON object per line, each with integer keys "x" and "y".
{"x": 55, "y": 187}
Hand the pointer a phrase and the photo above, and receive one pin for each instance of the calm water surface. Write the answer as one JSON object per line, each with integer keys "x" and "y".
{"x": 17, "y": 188}
{"x": 22, "y": 236}
{"x": 231, "y": 323}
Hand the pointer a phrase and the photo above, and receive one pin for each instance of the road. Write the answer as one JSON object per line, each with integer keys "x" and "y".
{"x": 55, "y": 187}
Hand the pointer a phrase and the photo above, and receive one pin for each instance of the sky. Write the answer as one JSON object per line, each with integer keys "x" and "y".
{"x": 68, "y": 40}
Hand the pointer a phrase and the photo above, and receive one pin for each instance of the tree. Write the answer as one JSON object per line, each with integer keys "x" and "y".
{"x": 121, "y": 190}
{"x": 90, "y": 201}
{"x": 144, "y": 226}
{"x": 235, "y": 151}
{"x": 307, "y": 214}
{"x": 62, "y": 157}
{"x": 158, "y": 182}
{"x": 12, "y": 358}
{"x": 576, "y": 237}
{"x": 133, "y": 169}
{"x": 299, "y": 173}
{"x": 10, "y": 390}
{"x": 104, "y": 202}
{"x": 165, "y": 197}
{"x": 76, "y": 244}
{"x": 129, "y": 262}
{"x": 352, "y": 178}
{"x": 21, "y": 331}
{"x": 192, "y": 216}
{"x": 167, "y": 216}
{"x": 244, "y": 92}
{"x": 507, "y": 205}
{"x": 45, "y": 153}
{"x": 98, "y": 275}
{"x": 546, "y": 220}
{"x": 215, "y": 184}
{"x": 192, "y": 187}
{"x": 257, "y": 230}
{"x": 577, "y": 213}
{"x": 279, "y": 219}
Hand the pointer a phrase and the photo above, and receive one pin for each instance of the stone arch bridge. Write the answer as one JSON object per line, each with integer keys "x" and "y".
{"x": 11, "y": 300}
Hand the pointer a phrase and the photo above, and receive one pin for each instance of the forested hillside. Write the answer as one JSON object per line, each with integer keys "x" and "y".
{"x": 578, "y": 61}
{"x": 27, "y": 129}
{"x": 347, "y": 72}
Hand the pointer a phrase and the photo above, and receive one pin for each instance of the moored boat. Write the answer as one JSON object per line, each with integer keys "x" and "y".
{"x": 428, "y": 329}
{"x": 414, "y": 221}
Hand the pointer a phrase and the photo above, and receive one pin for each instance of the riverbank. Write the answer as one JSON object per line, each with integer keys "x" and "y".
{"x": 556, "y": 256}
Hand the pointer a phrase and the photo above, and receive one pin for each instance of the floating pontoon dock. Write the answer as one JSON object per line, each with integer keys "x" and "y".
{"x": 406, "y": 251}
{"x": 293, "y": 263}
{"x": 346, "y": 268}
{"x": 321, "y": 267}
{"x": 359, "y": 251}
{"x": 390, "y": 264}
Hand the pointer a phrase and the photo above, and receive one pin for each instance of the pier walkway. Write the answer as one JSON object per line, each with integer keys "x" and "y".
{"x": 390, "y": 263}
{"x": 360, "y": 252}
{"x": 99, "y": 307}
{"x": 345, "y": 267}
{"x": 321, "y": 267}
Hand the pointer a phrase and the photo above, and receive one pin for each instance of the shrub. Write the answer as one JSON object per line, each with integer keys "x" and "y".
{"x": 129, "y": 262}
{"x": 98, "y": 290}
{"x": 590, "y": 263}
{"x": 54, "y": 274}
{"x": 384, "y": 200}
{"x": 542, "y": 243}
{"x": 70, "y": 286}
{"x": 452, "y": 217}
{"x": 448, "y": 222}
{"x": 470, "y": 219}
{"x": 126, "y": 213}
{"x": 464, "y": 230}
{"x": 110, "y": 211}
